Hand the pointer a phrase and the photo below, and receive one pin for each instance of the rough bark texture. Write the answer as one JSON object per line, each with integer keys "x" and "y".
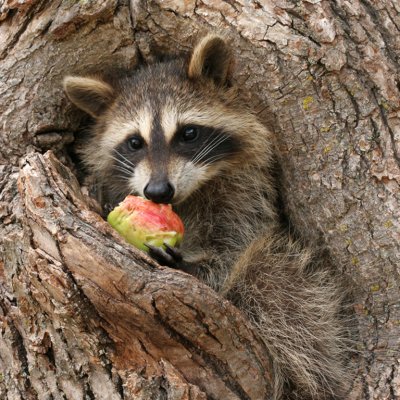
{"x": 324, "y": 74}
{"x": 105, "y": 319}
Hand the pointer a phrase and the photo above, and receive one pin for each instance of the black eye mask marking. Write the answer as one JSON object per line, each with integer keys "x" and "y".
{"x": 135, "y": 143}
{"x": 127, "y": 155}
{"x": 203, "y": 144}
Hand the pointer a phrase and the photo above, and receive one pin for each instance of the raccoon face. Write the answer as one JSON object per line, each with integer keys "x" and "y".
{"x": 169, "y": 169}
{"x": 165, "y": 131}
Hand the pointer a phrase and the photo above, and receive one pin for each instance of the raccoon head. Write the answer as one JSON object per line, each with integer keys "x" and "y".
{"x": 165, "y": 130}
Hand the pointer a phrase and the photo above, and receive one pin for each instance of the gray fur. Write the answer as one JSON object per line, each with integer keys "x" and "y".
{"x": 233, "y": 233}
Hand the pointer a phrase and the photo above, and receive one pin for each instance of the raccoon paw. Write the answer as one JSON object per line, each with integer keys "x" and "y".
{"x": 170, "y": 257}
{"x": 107, "y": 208}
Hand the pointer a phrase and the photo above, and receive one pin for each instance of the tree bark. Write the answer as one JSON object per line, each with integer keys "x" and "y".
{"x": 108, "y": 320}
{"x": 83, "y": 314}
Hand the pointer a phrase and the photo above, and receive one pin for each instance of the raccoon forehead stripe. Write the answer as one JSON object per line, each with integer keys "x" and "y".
{"x": 117, "y": 131}
{"x": 145, "y": 122}
{"x": 217, "y": 117}
{"x": 169, "y": 124}
{"x": 120, "y": 129}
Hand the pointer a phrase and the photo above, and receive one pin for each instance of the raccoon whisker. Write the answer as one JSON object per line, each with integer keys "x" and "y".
{"x": 211, "y": 148}
{"x": 123, "y": 169}
{"x": 215, "y": 158}
{"x": 123, "y": 177}
{"x": 221, "y": 138}
{"x": 214, "y": 147}
{"x": 121, "y": 155}
{"x": 206, "y": 146}
{"x": 211, "y": 161}
{"x": 121, "y": 165}
{"x": 211, "y": 137}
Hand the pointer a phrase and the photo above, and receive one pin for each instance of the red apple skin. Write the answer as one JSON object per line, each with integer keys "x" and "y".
{"x": 141, "y": 221}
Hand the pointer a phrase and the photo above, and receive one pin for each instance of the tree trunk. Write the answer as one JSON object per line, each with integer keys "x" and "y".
{"x": 85, "y": 316}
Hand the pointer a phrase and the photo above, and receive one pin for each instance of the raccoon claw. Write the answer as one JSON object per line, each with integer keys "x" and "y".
{"x": 107, "y": 208}
{"x": 173, "y": 252}
{"x": 170, "y": 257}
{"x": 179, "y": 262}
{"x": 163, "y": 257}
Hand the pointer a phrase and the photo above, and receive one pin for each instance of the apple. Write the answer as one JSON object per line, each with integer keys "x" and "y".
{"x": 141, "y": 221}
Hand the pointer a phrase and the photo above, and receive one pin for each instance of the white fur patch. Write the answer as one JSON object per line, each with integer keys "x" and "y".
{"x": 145, "y": 123}
{"x": 119, "y": 130}
{"x": 169, "y": 117}
{"x": 186, "y": 177}
{"x": 140, "y": 178}
{"x": 217, "y": 117}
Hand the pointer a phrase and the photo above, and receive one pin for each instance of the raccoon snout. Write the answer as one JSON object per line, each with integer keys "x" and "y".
{"x": 159, "y": 191}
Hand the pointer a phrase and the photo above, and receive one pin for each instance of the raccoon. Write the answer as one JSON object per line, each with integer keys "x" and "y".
{"x": 178, "y": 132}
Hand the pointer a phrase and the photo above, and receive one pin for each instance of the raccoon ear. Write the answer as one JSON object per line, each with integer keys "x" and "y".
{"x": 212, "y": 59}
{"x": 89, "y": 94}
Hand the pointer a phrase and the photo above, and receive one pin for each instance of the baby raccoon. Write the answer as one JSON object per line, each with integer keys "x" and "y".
{"x": 177, "y": 132}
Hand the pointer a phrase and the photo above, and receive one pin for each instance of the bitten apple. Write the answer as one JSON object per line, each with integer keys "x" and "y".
{"x": 141, "y": 221}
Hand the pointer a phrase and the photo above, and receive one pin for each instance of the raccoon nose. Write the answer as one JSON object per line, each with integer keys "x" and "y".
{"x": 159, "y": 192}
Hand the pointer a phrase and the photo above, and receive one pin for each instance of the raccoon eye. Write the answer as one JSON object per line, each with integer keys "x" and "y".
{"x": 135, "y": 143}
{"x": 190, "y": 133}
